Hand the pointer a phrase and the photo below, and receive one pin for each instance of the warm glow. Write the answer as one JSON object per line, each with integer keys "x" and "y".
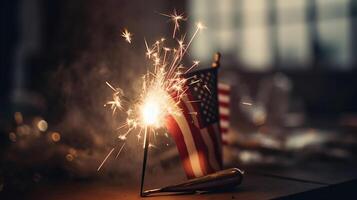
{"x": 200, "y": 26}
{"x": 42, "y": 125}
{"x": 55, "y": 136}
{"x": 163, "y": 86}
{"x": 150, "y": 112}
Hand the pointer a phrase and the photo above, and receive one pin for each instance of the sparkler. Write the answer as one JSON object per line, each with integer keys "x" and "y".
{"x": 163, "y": 88}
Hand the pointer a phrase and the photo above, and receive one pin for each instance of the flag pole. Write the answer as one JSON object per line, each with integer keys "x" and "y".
{"x": 146, "y": 146}
{"x": 216, "y": 60}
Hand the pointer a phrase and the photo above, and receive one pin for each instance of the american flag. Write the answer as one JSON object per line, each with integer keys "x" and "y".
{"x": 196, "y": 130}
{"x": 224, "y": 91}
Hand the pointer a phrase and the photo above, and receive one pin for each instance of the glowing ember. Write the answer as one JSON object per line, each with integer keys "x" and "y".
{"x": 42, "y": 125}
{"x": 55, "y": 136}
{"x": 127, "y": 35}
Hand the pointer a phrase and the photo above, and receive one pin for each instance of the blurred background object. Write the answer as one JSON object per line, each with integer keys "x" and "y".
{"x": 290, "y": 64}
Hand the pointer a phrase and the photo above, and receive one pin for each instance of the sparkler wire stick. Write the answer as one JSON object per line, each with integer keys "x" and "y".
{"x": 146, "y": 146}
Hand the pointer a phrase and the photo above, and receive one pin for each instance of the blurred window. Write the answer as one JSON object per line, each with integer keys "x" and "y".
{"x": 255, "y": 48}
{"x": 334, "y": 32}
{"x": 292, "y": 32}
{"x": 264, "y": 33}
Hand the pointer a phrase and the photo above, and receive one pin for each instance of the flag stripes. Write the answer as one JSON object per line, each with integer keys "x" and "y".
{"x": 224, "y": 91}
{"x": 195, "y": 128}
{"x": 200, "y": 151}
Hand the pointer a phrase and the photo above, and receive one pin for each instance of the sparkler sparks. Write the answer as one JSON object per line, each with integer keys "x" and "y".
{"x": 175, "y": 18}
{"x": 127, "y": 35}
{"x": 116, "y": 103}
{"x": 163, "y": 87}
{"x": 105, "y": 159}
{"x": 247, "y": 103}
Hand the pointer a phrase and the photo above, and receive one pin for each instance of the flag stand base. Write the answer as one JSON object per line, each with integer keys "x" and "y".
{"x": 221, "y": 180}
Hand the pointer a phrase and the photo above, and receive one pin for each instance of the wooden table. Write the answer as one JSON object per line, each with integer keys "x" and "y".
{"x": 257, "y": 184}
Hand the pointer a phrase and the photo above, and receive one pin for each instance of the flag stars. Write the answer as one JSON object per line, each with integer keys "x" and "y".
{"x": 204, "y": 90}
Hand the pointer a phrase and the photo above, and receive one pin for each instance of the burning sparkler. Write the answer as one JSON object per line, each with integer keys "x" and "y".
{"x": 162, "y": 90}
